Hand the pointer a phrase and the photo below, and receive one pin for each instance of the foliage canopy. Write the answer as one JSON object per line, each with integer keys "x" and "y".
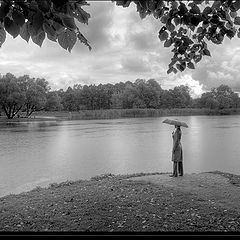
{"x": 185, "y": 26}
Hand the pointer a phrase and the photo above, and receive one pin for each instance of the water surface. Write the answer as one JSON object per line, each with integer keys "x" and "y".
{"x": 38, "y": 153}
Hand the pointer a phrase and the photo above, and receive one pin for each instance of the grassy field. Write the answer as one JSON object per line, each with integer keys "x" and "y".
{"x": 112, "y": 204}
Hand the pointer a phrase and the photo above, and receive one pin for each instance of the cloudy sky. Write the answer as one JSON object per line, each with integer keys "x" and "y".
{"x": 124, "y": 48}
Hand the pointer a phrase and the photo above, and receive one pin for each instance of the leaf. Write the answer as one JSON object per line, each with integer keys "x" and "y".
{"x": 67, "y": 39}
{"x": 182, "y": 9}
{"x": 174, "y": 5}
{"x": 216, "y": 4}
{"x": 4, "y": 9}
{"x": 2, "y": 35}
{"x": 164, "y": 19}
{"x": 191, "y": 65}
{"x": 230, "y": 33}
{"x": 163, "y": 36}
{"x": 233, "y": 14}
{"x": 236, "y": 5}
{"x": 37, "y": 21}
{"x": 69, "y": 22}
{"x": 180, "y": 67}
{"x": 197, "y": 58}
{"x": 168, "y": 43}
{"x": 11, "y": 27}
{"x": 195, "y": 20}
{"x": 182, "y": 49}
{"x": 62, "y": 40}
{"x": 39, "y": 38}
{"x": 18, "y": 17}
{"x": 170, "y": 27}
{"x": 24, "y": 32}
{"x": 207, "y": 10}
{"x": 51, "y": 33}
{"x": 58, "y": 27}
{"x": 72, "y": 38}
{"x": 44, "y": 5}
{"x": 200, "y": 29}
{"x": 195, "y": 9}
{"x": 237, "y": 20}
{"x": 172, "y": 69}
{"x": 84, "y": 40}
{"x": 177, "y": 20}
{"x": 206, "y": 52}
{"x": 81, "y": 15}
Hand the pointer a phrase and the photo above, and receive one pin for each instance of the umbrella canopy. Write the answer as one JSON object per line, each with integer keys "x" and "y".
{"x": 175, "y": 122}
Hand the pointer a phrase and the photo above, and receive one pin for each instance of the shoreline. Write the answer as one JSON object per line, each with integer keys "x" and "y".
{"x": 116, "y": 203}
{"x": 120, "y": 114}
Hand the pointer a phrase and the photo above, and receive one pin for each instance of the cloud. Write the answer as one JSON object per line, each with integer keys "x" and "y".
{"x": 135, "y": 64}
{"x": 125, "y": 48}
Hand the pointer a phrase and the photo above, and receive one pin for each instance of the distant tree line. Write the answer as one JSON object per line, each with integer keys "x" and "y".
{"x": 21, "y": 96}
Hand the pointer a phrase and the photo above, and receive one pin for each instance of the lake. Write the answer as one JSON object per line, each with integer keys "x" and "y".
{"x": 38, "y": 153}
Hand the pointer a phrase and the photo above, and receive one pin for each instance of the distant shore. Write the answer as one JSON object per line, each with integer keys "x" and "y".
{"x": 119, "y": 113}
{"x": 115, "y": 203}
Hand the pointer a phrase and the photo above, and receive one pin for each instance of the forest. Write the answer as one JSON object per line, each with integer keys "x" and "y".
{"x": 21, "y": 96}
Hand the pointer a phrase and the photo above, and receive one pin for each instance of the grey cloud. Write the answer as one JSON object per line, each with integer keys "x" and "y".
{"x": 143, "y": 41}
{"x": 135, "y": 65}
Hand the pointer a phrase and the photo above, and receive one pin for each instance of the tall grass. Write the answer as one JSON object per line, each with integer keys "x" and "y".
{"x": 134, "y": 113}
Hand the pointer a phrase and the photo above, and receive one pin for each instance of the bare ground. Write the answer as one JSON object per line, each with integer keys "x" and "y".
{"x": 156, "y": 203}
{"x": 218, "y": 189}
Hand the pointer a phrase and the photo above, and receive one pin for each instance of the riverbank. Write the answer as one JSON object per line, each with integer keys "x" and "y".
{"x": 119, "y": 113}
{"x": 128, "y": 203}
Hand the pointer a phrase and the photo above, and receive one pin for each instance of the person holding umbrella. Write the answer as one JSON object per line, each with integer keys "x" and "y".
{"x": 177, "y": 152}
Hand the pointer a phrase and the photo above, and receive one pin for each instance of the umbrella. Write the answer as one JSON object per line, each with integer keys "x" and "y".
{"x": 175, "y": 122}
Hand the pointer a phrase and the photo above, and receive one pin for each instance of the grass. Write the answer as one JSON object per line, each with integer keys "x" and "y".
{"x": 112, "y": 204}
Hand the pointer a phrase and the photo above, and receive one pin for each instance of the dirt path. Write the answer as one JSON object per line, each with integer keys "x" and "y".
{"x": 207, "y": 186}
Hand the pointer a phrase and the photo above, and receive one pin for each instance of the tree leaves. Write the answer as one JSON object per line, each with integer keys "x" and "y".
{"x": 52, "y": 18}
{"x": 24, "y": 32}
{"x": 11, "y": 27}
{"x": 67, "y": 39}
{"x": 163, "y": 35}
{"x": 2, "y": 35}
{"x": 236, "y": 6}
{"x": 181, "y": 67}
{"x": 39, "y": 38}
{"x": 206, "y": 52}
{"x": 83, "y": 40}
{"x": 190, "y": 65}
{"x": 4, "y": 9}
{"x": 237, "y": 20}
{"x": 51, "y": 33}
{"x": 44, "y": 5}
{"x": 81, "y": 15}
{"x": 38, "y": 20}
{"x": 168, "y": 43}
{"x": 18, "y": 17}
{"x": 68, "y": 22}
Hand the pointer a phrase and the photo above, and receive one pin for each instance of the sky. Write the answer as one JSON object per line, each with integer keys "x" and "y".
{"x": 124, "y": 48}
